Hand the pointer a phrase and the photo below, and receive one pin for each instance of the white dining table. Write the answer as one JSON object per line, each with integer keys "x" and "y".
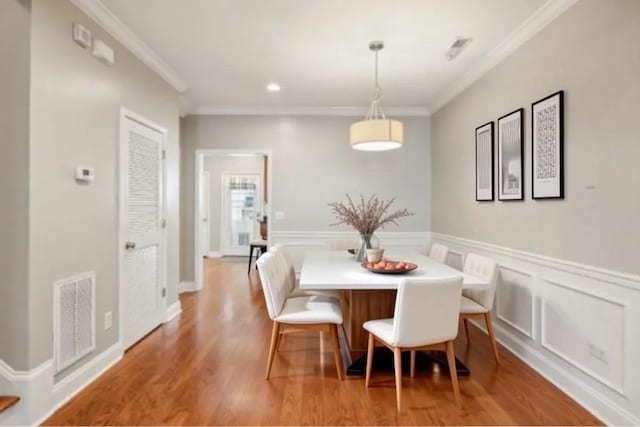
{"x": 323, "y": 269}
{"x": 366, "y": 295}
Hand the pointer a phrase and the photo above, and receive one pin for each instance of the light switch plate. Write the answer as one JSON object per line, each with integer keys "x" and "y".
{"x": 108, "y": 320}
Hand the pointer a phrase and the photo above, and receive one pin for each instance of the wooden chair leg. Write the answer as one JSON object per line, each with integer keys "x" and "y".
{"x": 278, "y": 339}
{"x": 370, "y": 350}
{"x": 397, "y": 364}
{"x": 272, "y": 348}
{"x": 336, "y": 350}
{"x": 412, "y": 368}
{"x": 466, "y": 329}
{"x": 492, "y": 336}
{"x": 451, "y": 359}
{"x": 251, "y": 249}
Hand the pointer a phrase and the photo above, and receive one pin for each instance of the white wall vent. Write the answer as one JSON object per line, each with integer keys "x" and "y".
{"x": 457, "y": 47}
{"x": 73, "y": 319}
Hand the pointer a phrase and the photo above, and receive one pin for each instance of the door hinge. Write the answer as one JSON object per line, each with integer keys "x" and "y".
{"x": 164, "y": 292}
{"x": 163, "y": 223}
{"x": 164, "y": 154}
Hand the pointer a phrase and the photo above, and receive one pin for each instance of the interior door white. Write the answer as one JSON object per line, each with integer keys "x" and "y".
{"x": 205, "y": 212}
{"x": 241, "y": 207}
{"x": 141, "y": 230}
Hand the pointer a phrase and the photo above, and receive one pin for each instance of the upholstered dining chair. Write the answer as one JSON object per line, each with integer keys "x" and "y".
{"x": 439, "y": 253}
{"x": 291, "y": 314}
{"x": 478, "y": 303}
{"x": 341, "y": 244}
{"x": 425, "y": 318}
{"x": 284, "y": 257}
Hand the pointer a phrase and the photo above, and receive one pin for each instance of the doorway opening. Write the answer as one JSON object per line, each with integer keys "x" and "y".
{"x": 233, "y": 190}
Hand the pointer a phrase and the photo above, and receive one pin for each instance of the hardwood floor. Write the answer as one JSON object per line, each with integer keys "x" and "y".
{"x": 207, "y": 367}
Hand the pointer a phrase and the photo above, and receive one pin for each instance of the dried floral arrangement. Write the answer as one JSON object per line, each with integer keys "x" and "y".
{"x": 367, "y": 217}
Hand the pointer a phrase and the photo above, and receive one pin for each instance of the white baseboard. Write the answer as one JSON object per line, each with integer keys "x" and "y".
{"x": 216, "y": 254}
{"x": 187, "y": 287}
{"x": 173, "y": 310}
{"x": 550, "y": 312}
{"x": 40, "y": 397}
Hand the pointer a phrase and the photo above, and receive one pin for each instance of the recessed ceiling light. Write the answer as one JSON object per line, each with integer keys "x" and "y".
{"x": 273, "y": 87}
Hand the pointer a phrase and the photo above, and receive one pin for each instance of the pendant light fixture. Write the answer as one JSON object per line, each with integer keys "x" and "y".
{"x": 376, "y": 132}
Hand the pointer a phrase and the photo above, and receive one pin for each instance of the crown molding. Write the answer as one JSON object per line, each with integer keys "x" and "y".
{"x": 276, "y": 110}
{"x": 97, "y": 11}
{"x": 542, "y": 17}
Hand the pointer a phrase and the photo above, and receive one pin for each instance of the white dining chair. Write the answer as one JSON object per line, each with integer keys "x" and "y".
{"x": 478, "y": 303}
{"x": 298, "y": 313}
{"x": 284, "y": 257}
{"x": 425, "y": 318}
{"x": 341, "y": 244}
{"x": 439, "y": 253}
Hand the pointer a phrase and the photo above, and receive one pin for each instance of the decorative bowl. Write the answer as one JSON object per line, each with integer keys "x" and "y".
{"x": 408, "y": 267}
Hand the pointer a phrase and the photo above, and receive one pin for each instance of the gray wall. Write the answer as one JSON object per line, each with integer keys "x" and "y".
{"x": 75, "y": 107}
{"x": 216, "y": 166}
{"x": 313, "y": 164}
{"x": 592, "y": 53}
{"x": 15, "y": 21}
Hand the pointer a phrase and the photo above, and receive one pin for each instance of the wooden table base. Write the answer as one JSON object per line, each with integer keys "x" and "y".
{"x": 359, "y": 306}
{"x": 425, "y": 362}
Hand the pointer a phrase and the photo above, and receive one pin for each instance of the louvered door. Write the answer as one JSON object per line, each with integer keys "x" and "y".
{"x": 142, "y": 261}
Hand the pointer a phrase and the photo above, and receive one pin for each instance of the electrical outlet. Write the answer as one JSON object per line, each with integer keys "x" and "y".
{"x": 108, "y": 320}
{"x": 598, "y": 352}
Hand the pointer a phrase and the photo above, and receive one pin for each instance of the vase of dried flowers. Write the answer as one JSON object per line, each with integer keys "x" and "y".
{"x": 367, "y": 241}
{"x": 367, "y": 217}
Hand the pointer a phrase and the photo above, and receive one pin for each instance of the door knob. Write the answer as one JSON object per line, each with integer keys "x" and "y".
{"x": 129, "y": 245}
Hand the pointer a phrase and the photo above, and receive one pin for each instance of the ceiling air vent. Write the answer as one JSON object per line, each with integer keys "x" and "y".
{"x": 457, "y": 46}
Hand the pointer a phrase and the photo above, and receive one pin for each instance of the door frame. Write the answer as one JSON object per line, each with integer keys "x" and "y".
{"x": 200, "y": 154}
{"x": 124, "y": 115}
{"x": 206, "y": 244}
{"x": 224, "y": 215}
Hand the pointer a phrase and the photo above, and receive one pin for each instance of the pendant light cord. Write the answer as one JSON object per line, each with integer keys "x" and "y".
{"x": 375, "y": 109}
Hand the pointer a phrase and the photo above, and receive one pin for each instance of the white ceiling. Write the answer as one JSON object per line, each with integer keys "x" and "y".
{"x": 226, "y": 51}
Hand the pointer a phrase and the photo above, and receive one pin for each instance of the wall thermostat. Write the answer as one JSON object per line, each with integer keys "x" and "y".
{"x": 81, "y": 35}
{"x": 84, "y": 174}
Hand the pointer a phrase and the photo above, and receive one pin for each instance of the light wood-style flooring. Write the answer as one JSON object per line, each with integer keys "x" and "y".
{"x": 207, "y": 367}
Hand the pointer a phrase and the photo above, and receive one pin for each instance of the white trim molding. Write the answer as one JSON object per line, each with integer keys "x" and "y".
{"x": 549, "y": 11}
{"x": 214, "y": 254}
{"x": 40, "y": 396}
{"x": 105, "y": 18}
{"x": 173, "y": 310}
{"x": 187, "y": 287}
{"x": 301, "y": 110}
{"x": 576, "y": 324}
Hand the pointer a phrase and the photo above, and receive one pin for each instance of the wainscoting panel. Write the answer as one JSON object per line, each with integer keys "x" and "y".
{"x": 578, "y": 325}
{"x": 515, "y": 300}
{"x": 586, "y": 330}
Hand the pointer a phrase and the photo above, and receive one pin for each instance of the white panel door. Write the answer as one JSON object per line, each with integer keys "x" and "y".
{"x": 141, "y": 220}
{"x": 241, "y": 208}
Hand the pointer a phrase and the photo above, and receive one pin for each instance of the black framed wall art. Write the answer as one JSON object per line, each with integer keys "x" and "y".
{"x": 484, "y": 162}
{"x": 547, "y": 147}
{"x": 510, "y": 152}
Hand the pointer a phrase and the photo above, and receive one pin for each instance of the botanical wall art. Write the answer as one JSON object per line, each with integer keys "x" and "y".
{"x": 547, "y": 144}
